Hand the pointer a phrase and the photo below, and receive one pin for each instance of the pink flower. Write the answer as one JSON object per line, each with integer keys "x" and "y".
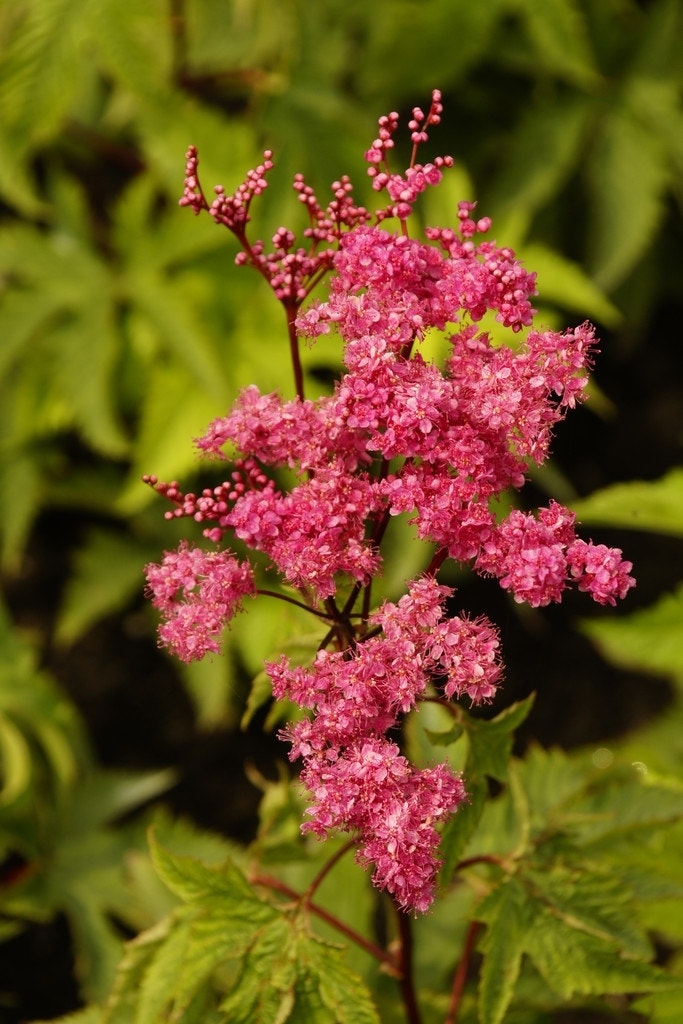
{"x": 198, "y": 593}
{"x": 314, "y": 483}
{"x": 600, "y": 571}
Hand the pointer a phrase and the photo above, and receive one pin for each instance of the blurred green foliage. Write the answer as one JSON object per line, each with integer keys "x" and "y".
{"x": 123, "y": 330}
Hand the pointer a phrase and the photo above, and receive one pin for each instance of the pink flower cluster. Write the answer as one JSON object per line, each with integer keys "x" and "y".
{"x": 359, "y": 780}
{"x": 198, "y": 592}
{"x": 397, "y": 435}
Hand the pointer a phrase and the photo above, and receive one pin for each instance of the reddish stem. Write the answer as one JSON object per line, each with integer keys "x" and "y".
{"x": 406, "y": 980}
{"x": 460, "y": 976}
{"x": 324, "y": 915}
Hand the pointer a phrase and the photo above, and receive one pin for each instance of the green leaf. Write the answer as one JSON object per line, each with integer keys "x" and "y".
{"x": 564, "y": 283}
{"x": 655, "y": 506}
{"x": 504, "y": 912}
{"x": 175, "y": 409}
{"x": 660, "y": 1008}
{"x": 194, "y": 882}
{"x": 551, "y": 781}
{"x": 491, "y": 741}
{"x": 558, "y": 30}
{"x": 628, "y": 177}
{"x": 180, "y": 331}
{"x": 572, "y": 962}
{"x": 460, "y": 827}
{"x": 293, "y": 976}
{"x": 107, "y": 572}
{"x": 42, "y": 68}
{"x": 628, "y": 807}
{"x": 161, "y": 975}
{"x": 648, "y": 640}
{"x": 531, "y": 175}
{"x": 15, "y": 761}
{"x": 598, "y": 904}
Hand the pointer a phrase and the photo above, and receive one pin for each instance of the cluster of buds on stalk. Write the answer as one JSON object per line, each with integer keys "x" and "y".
{"x": 397, "y": 436}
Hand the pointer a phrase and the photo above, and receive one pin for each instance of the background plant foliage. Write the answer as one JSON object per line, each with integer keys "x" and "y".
{"x": 123, "y": 331}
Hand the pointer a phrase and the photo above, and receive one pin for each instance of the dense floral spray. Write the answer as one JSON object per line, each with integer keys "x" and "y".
{"x": 398, "y": 435}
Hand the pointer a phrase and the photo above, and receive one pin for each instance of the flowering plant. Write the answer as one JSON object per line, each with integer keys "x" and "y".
{"x": 312, "y": 489}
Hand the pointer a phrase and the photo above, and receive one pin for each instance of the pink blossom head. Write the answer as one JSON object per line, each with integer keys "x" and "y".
{"x": 198, "y": 592}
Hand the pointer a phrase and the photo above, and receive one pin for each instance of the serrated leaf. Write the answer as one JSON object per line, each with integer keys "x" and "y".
{"x": 648, "y": 640}
{"x": 290, "y": 974}
{"x": 624, "y": 808}
{"x": 195, "y": 882}
{"x": 599, "y": 904}
{"x": 121, "y": 1004}
{"x": 503, "y": 946}
{"x": 161, "y": 974}
{"x": 343, "y": 996}
{"x": 491, "y": 741}
{"x": 652, "y": 505}
{"x": 551, "y": 780}
{"x": 572, "y": 962}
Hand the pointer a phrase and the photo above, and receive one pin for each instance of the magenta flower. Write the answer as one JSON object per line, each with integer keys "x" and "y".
{"x": 198, "y": 593}
{"x": 398, "y": 435}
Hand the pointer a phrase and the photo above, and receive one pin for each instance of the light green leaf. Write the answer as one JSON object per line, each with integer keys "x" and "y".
{"x": 289, "y": 975}
{"x": 161, "y": 975}
{"x": 649, "y": 640}
{"x": 506, "y": 918}
{"x": 131, "y": 41}
{"x": 660, "y": 1008}
{"x": 175, "y": 410}
{"x": 655, "y": 506}
{"x": 342, "y": 995}
{"x": 564, "y": 283}
{"x": 626, "y": 807}
{"x": 598, "y": 904}
{"x": 15, "y": 761}
{"x": 491, "y": 741}
{"x": 195, "y": 882}
{"x": 42, "y": 68}
{"x": 551, "y": 780}
{"x": 180, "y": 331}
{"x": 558, "y": 30}
{"x": 572, "y": 962}
{"x": 628, "y": 176}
